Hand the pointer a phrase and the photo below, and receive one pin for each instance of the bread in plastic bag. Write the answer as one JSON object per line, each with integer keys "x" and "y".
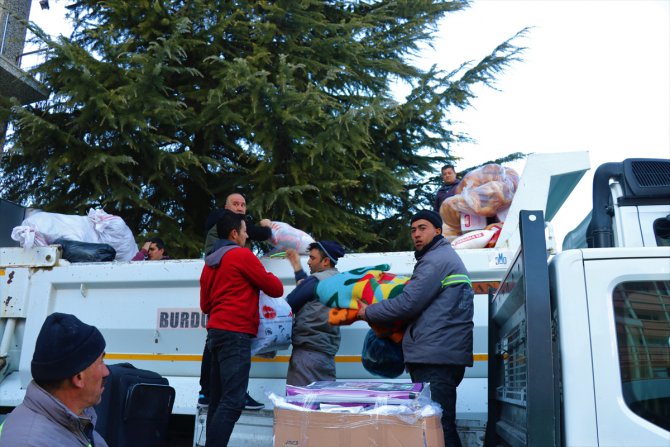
{"x": 284, "y": 236}
{"x": 382, "y": 357}
{"x": 113, "y": 230}
{"x": 489, "y": 173}
{"x": 75, "y": 251}
{"x": 275, "y": 326}
{"x": 485, "y": 191}
{"x": 486, "y": 199}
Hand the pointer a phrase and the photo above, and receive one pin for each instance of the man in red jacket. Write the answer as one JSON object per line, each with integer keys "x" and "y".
{"x": 229, "y": 285}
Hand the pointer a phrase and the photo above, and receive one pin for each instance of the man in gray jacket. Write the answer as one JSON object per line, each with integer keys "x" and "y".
{"x": 315, "y": 341}
{"x": 68, "y": 378}
{"x": 437, "y": 303}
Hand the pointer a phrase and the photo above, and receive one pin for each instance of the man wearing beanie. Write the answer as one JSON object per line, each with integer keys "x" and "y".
{"x": 315, "y": 341}
{"x": 437, "y": 303}
{"x": 68, "y": 380}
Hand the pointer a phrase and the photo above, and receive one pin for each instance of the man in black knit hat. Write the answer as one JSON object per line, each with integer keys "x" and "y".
{"x": 68, "y": 379}
{"x": 437, "y": 304}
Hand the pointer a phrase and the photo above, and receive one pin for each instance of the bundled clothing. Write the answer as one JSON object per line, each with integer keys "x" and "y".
{"x": 44, "y": 421}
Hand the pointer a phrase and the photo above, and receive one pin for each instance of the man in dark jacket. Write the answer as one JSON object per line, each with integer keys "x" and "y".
{"x": 68, "y": 379}
{"x": 315, "y": 341}
{"x": 437, "y": 303}
{"x": 236, "y": 203}
{"x": 449, "y": 183}
{"x": 229, "y": 285}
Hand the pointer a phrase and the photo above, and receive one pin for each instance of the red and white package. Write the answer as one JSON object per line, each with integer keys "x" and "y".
{"x": 473, "y": 239}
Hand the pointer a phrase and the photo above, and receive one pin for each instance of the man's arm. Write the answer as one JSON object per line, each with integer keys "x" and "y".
{"x": 258, "y": 232}
{"x": 205, "y": 280}
{"x": 302, "y": 293}
{"x": 143, "y": 253}
{"x": 421, "y": 289}
{"x": 255, "y": 273}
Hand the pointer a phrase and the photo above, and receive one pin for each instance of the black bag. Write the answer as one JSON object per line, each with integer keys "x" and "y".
{"x": 76, "y": 251}
{"x": 382, "y": 357}
{"x": 135, "y": 407}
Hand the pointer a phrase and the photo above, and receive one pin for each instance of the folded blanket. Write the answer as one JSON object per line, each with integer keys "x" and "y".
{"x": 343, "y": 317}
{"x": 370, "y": 284}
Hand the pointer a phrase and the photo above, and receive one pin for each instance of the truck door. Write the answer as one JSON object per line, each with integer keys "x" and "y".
{"x": 628, "y": 294}
{"x": 523, "y": 365}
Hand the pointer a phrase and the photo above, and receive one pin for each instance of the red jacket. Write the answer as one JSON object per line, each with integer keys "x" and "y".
{"x": 229, "y": 287}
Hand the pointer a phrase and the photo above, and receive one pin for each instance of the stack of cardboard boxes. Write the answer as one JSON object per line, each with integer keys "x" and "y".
{"x": 345, "y": 414}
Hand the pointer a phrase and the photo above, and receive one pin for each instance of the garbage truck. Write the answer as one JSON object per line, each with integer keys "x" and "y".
{"x": 571, "y": 346}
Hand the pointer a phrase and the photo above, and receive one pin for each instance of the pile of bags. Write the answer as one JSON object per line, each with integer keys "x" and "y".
{"x": 97, "y": 227}
{"x": 484, "y": 193}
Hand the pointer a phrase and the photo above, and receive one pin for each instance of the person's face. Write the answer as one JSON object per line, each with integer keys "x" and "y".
{"x": 240, "y": 237}
{"x": 448, "y": 176}
{"x": 236, "y": 204}
{"x": 155, "y": 253}
{"x": 316, "y": 262}
{"x": 423, "y": 233}
{"x": 93, "y": 381}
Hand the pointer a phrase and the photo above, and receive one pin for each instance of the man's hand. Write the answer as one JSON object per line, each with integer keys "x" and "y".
{"x": 265, "y": 223}
{"x": 146, "y": 246}
{"x": 294, "y": 259}
{"x": 362, "y": 305}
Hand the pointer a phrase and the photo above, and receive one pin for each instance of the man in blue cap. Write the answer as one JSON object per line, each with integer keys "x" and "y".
{"x": 315, "y": 341}
{"x": 68, "y": 379}
{"x": 437, "y": 304}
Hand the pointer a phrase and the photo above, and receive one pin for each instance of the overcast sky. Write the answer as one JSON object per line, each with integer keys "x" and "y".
{"x": 595, "y": 77}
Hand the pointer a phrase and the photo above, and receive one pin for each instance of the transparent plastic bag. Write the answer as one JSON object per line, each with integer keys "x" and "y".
{"x": 484, "y": 191}
{"x": 284, "y": 236}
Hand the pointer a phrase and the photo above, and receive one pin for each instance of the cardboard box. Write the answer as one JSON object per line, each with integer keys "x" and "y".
{"x": 319, "y": 429}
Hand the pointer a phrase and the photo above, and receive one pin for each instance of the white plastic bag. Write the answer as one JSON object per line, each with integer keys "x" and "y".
{"x": 47, "y": 227}
{"x": 276, "y": 323}
{"x": 285, "y": 236}
{"x": 113, "y": 230}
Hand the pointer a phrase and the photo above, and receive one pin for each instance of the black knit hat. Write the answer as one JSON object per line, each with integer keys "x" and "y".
{"x": 65, "y": 346}
{"x": 430, "y": 215}
{"x": 332, "y": 249}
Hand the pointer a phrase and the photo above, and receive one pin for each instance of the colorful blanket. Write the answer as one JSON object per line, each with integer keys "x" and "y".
{"x": 369, "y": 284}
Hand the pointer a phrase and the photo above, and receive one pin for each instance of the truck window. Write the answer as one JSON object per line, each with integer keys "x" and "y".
{"x": 662, "y": 231}
{"x": 642, "y": 315}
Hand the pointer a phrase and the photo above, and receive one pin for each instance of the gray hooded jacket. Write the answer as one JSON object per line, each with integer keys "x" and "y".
{"x": 437, "y": 304}
{"x": 43, "y": 421}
